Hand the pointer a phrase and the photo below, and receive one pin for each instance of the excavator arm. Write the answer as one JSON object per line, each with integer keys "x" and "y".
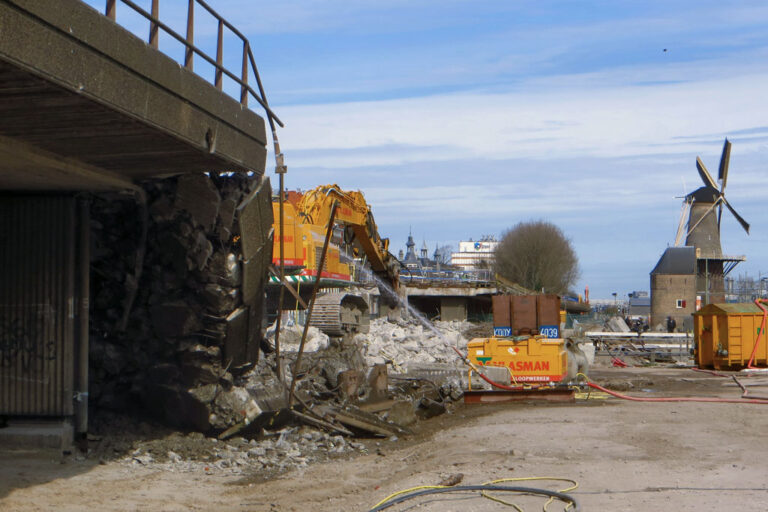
{"x": 355, "y": 215}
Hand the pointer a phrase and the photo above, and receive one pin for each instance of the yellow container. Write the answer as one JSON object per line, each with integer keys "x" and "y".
{"x": 534, "y": 359}
{"x": 725, "y": 335}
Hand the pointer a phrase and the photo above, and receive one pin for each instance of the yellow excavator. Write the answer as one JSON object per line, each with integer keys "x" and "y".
{"x": 357, "y": 253}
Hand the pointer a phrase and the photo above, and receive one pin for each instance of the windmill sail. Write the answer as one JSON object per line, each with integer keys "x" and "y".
{"x": 706, "y": 208}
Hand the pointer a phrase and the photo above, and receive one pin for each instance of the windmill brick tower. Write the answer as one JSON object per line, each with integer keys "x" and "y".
{"x": 700, "y": 222}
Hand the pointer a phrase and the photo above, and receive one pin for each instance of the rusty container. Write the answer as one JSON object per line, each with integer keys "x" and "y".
{"x": 725, "y": 336}
{"x": 523, "y": 314}
{"x": 502, "y": 325}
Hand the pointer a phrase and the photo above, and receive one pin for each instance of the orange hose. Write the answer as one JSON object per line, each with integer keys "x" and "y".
{"x": 760, "y": 333}
{"x": 622, "y": 396}
{"x": 486, "y": 379}
{"x": 711, "y": 372}
{"x": 677, "y": 399}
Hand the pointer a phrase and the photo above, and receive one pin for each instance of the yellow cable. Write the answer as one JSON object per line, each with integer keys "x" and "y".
{"x": 398, "y": 493}
{"x": 487, "y": 496}
{"x": 527, "y": 479}
{"x": 511, "y": 375}
{"x": 298, "y": 292}
{"x": 592, "y": 395}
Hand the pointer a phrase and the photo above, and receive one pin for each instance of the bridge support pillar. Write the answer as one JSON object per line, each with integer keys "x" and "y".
{"x": 453, "y": 308}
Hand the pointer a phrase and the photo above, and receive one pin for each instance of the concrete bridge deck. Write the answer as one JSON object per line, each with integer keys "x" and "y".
{"x": 86, "y": 105}
{"x": 451, "y": 302}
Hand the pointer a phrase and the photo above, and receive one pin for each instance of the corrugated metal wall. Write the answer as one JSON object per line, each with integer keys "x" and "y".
{"x": 37, "y": 324}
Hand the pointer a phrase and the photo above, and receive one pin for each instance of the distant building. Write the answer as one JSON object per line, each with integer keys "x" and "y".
{"x": 639, "y": 304}
{"x": 475, "y": 255}
{"x": 422, "y": 262}
{"x": 673, "y": 287}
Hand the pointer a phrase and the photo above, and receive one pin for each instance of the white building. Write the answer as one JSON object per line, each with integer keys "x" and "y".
{"x": 475, "y": 255}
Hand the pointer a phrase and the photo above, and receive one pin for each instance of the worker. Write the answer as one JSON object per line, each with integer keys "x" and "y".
{"x": 671, "y": 324}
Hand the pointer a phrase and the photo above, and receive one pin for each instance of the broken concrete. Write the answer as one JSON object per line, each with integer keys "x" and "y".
{"x": 178, "y": 354}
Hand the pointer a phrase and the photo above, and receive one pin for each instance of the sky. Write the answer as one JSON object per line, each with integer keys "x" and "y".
{"x": 460, "y": 119}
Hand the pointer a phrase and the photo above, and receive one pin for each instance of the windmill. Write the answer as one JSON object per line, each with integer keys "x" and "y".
{"x": 700, "y": 222}
{"x": 703, "y": 209}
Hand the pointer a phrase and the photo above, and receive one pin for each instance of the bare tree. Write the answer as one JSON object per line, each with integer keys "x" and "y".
{"x": 483, "y": 264}
{"x": 538, "y": 256}
{"x": 443, "y": 254}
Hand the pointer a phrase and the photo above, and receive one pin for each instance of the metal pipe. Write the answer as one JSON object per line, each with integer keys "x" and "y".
{"x": 320, "y": 266}
{"x": 243, "y": 90}
{"x": 110, "y": 9}
{"x": 219, "y": 54}
{"x": 281, "y": 295}
{"x": 84, "y": 263}
{"x": 70, "y": 295}
{"x": 189, "y": 56}
{"x": 153, "y": 29}
{"x": 219, "y": 17}
{"x": 261, "y": 89}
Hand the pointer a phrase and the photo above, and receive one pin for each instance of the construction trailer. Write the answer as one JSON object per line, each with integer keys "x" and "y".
{"x": 726, "y": 336}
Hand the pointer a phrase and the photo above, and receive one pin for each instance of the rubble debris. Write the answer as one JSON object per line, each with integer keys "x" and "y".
{"x": 321, "y": 423}
{"x": 198, "y": 196}
{"x": 188, "y": 350}
{"x": 178, "y": 354}
{"x": 380, "y": 406}
{"x": 359, "y": 419}
{"x": 156, "y": 448}
{"x": 402, "y": 412}
{"x": 350, "y": 382}
{"x": 451, "y": 480}
{"x": 290, "y": 336}
{"x": 616, "y": 324}
{"x": 378, "y": 383}
{"x": 398, "y": 343}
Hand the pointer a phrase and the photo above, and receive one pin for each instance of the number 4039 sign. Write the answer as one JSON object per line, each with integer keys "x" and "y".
{"x": 549, "y": 331}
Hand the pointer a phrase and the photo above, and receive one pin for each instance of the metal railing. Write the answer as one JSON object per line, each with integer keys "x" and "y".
{"x": 248, "y": 62}
{"x": 477, "y": 277}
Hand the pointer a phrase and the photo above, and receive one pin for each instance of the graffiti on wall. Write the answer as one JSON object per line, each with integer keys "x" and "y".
{"x": 23, "y": 339}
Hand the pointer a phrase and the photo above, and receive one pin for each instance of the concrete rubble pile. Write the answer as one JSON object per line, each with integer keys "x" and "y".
{"x": 282, "y": 450}
{"x": 401, "y": 370}
{"x": 177, "y": 305}
{"x": 616, "y": 324}
{"x": 173, "y": 340}
{"x": 411, "y": 342}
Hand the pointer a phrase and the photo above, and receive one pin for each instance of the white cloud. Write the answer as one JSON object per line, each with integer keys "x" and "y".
{"x": 585, "y": 121}
{"x": 597, "y": 155}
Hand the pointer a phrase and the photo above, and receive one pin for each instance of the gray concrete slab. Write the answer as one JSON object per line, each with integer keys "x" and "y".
{"x": 75, "y": 84}
{"x": 55, "y": 434}
{"x": 448, "y": 291}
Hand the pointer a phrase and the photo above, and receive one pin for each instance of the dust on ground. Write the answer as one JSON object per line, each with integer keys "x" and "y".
{"x": 625, "y": 455}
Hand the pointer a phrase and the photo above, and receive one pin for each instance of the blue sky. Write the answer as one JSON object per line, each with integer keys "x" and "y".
{"x": 459, "y": 119}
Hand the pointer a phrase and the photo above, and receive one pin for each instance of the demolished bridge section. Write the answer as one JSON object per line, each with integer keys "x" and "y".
{"x": 196, "y": 320}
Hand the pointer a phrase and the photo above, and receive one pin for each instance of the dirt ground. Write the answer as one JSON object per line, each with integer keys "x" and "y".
{"x": 624, "y": 456}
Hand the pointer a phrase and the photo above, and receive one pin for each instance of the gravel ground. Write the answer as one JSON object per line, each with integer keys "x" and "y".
{"x": 625, "y": 456}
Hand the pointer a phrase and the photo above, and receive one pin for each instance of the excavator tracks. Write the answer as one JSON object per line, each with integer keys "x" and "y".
{"x": 337, "y": 314}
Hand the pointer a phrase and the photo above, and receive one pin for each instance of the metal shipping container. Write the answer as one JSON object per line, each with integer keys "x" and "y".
{"x": 502, "y": 325}
{"x": 523, "y": 314}
{"x": 725, "y": 336}
{"x": 548, "y": 315}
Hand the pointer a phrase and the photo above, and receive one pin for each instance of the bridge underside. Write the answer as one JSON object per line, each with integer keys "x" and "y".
{"x": 452, "y": 303}
{"x": 85, "y": 105}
